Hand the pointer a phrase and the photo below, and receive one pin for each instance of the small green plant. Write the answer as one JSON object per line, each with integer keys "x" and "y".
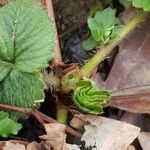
{"x": 104, "y": 28}
{"x": 7, "y": 125}
{"x": 27, "y": 38}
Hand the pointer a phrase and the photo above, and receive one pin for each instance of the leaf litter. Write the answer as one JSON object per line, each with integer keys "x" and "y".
{"x": 102, "y": 133}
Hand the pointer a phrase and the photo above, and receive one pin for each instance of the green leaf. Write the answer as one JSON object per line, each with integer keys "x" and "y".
{"x": 145, "y": 4}
{"x": 106, "y": 17}
{"x": 8, "y": 126}
{"x": 26, "y": 35}
{"x": 3, "y": 72}
{"x": 89, "y": 44}
{"x": 96, "y": 29}
{"x": 21, "y": 89}
{"x": 27, "y": 38}
{"x": 89, "y": 99}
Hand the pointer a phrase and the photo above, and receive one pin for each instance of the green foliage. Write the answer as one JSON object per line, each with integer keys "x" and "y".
{"x": 89, "y": 44}
{"x": 145, "y": 4}
{"x": 103, "y": 26}
{"x": 26, "y": 43}
{"x": 8, "y": 126}
{"x": 89, "y": 99}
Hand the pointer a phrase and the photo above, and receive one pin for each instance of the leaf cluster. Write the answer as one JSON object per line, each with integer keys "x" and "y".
{"x": 103, "y": 27}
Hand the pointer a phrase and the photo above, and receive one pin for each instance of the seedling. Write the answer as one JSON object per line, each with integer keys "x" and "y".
{"x": 104, "y": 28}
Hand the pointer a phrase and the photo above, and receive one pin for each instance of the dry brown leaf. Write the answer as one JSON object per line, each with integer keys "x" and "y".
{"x": 2, "y": 144}
{"x": 39, "y": 146}
{"x": 131, "y": 72}
{"x": 12, "y": 146}
{"x": 131, "y": 148}
{"x": 106, "y": 134}
{"x": 34, "y": 146}
{"x": 55, "y": 136}
{"x": 71, "y": 147}
{"x": 133, "y": 118}
{"x": 144, "y": 139}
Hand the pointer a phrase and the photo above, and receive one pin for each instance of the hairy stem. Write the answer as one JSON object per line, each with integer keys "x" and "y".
{"x": 57, "y": 52}
{"x": 101, "y": 54}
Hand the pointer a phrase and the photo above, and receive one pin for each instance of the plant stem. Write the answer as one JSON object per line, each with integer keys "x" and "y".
{"x": 62, "y": 114}
{"x": 57, "y": 52}
{"x": 101, "y": 54}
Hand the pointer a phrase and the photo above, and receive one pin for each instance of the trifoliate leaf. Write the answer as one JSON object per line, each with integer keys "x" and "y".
{"x": 27, "y": 38}
{"x": 145, "y": 4}
{"x": 89, "y": 99}
{"x": 89, "y": 44}
{"x": 8, "y": 126}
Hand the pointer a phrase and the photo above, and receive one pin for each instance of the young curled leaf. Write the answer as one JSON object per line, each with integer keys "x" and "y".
{"x": 89, "y": 99}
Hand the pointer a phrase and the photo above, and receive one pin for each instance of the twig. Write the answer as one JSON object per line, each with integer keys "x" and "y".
{"x": 42, "y": 118}
{"x": 57, "y": 51}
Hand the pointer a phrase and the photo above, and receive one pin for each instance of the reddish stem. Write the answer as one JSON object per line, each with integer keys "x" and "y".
{"x": 57, "y": 51}
{"x": 42, "y": 118}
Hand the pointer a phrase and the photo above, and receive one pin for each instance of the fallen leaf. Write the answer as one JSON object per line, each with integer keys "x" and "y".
{"x": 106, "y": 134}
{"x": 129, "y": 78}
{"x": 55, "y": 136}
{"x": 133, "y": 118}
{"x": 144, "y": 139}
{"x": 71, "y": 147}
{"x": 131, "y": 148}
{"x": 33, "y": 146}
{"x": 12, "y": 146}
